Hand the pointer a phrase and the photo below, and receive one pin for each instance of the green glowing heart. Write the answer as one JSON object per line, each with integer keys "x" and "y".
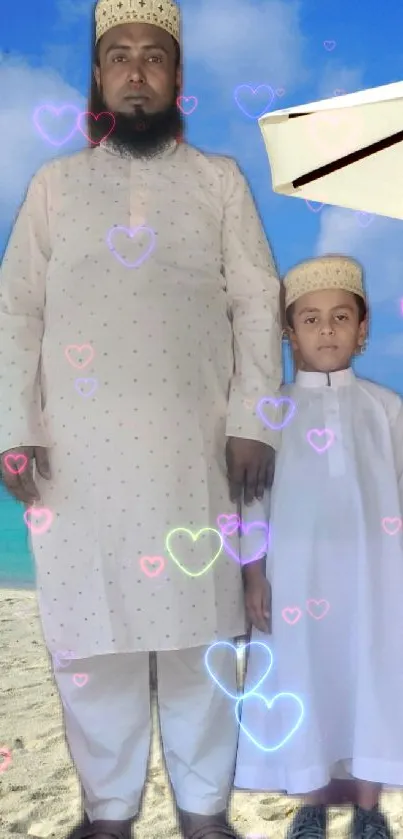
{"x": 194, "y": 538}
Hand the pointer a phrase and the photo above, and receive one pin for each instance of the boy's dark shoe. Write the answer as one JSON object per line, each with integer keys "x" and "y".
{"x": 370, "y": 824}
{"x": 309, "y": 822}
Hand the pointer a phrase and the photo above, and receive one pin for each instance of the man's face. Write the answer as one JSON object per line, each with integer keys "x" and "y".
{"x": 137, "y": 70}
{"x": 138, "y": 81}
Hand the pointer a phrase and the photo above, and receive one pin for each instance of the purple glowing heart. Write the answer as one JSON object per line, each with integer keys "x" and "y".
{"x": 261, "y": 550}
{"x": 254, "y": 90}
{"x": 56, "y": 111}
{"x": 131, "y": 232}
{"x": 92, "y": 383}
{"x": 276, "y": 403}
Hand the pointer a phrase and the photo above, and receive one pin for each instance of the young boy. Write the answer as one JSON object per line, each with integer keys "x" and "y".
{"x": 331, "y": 703}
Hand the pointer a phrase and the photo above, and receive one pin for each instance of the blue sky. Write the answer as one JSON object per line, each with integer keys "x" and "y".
{"x": 45, "y": 59}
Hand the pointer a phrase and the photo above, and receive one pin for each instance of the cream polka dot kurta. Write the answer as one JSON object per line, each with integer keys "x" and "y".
{"x": 131, "y": 354}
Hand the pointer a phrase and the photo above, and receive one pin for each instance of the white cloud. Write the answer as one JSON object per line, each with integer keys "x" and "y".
{"x": 22, "y": 149}
{"x": 378, "y": 247}
{"x": 334, "y": 79}
{"x": 246, "y": 43}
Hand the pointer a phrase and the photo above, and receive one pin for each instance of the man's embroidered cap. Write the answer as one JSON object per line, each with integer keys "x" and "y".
{"x": 162, "y": 13}
{"x": 321, "y": 274}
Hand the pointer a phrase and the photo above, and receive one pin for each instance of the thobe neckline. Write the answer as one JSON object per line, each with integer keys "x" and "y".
{"x": 163, "y": 154}
{"x": 340, "y": 378}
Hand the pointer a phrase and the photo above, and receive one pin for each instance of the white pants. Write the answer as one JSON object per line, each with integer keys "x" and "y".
{"x": 108, "y": 729}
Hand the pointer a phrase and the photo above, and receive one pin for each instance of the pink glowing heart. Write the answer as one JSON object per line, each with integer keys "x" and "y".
{"x": 75, "y": 352}
{"x": 43, "y": 517}
{"x": 187, "y": 109}
{"x": 314, "y": 206}
{"x": 10, "y": 461}
{"x": 269, "y": 96}
{"x": 5, "y": 759}
{"x": 317, "y": 608}
{"x": 80, "y": 679}
{"x": 96, "y": 117}
{"x": 38, "y": 115}
{"x": 291, "y": 614}
{"x": 313, "y": 440}
{"x": 152, "y": 565}
{"x": 132, "y": 233}
{"x": 392, "y": 526}
{"x": 228, "y": 524}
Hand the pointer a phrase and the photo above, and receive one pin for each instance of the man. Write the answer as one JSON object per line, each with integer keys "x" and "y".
{"x": 136, "y": 357}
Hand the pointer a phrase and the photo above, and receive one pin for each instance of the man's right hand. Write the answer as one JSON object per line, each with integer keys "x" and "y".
{"x": 18, "y": 478}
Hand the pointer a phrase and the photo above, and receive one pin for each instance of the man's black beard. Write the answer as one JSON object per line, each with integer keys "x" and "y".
{"x": 137, "y": 134}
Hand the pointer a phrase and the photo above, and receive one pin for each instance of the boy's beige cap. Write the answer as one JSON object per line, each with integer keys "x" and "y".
{"x": 321, "y": 274}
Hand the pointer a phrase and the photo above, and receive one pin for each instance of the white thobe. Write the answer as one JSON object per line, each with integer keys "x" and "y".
{"x": 335, "y": 563}
{"x": 132, "y": 369}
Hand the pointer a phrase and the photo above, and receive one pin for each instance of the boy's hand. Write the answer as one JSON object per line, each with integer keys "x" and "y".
{"x": 258, "y": 602}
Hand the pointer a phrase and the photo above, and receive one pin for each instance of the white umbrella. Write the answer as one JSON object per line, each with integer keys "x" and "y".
{"x": 346, "y": 151}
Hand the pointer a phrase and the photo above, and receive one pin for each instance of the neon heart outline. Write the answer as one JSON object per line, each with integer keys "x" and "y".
{"x": 58, "y": 111}
{"x": 131, "y": 232}
{"x": 90, "y": 113}
{"x": 90, "y": 379}
{"x": 79, "y": 347}
{"x": 391, "y": 519}
{"x": 291, "y": 609}
{"x": 320, "y": 432}
{"x": 312, "y": 209}
{"x": 38, "y": 510}
{"x": 64, "y": 655}
{"x": 78, "y": 676}
{"x": 7, "y": 754}
{"x": 254, "y": 91}
{"x": 238, "y": 651}
{"x": 224, "y": 528}
{"x": 16, "y": 457}
{"x": 322, "y": 600}
{"x": 187, "y": 113}
{"x": 245, "y": 528}
{"x": 359, "y": 214}
{"x": 276, "y": 402}
{"x": 147, "y": 571}
{"x": 186, "y": 530}
{"x": 269, "y": 704}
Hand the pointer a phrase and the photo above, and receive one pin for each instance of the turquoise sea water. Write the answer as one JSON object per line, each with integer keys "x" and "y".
{"x": 17, "y": 569}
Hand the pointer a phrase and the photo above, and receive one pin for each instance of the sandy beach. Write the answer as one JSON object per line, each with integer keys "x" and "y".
{"x": 40, "y": 795}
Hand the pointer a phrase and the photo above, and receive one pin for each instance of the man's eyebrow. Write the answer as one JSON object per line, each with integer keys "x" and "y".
{"x": 126, "y": 47}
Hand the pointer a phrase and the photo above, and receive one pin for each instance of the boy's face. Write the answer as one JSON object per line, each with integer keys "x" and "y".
{"x": 326, "y": 332}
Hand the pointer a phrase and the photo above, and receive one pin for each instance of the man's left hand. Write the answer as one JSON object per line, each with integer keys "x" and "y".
{"x": 250, "y": 468}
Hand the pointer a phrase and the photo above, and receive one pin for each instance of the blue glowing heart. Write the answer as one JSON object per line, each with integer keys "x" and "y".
{"x": 238, "y": 652}
{"x": 269, "y": 704}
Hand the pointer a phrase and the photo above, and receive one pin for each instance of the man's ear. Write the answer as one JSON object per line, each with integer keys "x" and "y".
{"x": 97, "y": 75}
{"x": 179, "y": 80}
